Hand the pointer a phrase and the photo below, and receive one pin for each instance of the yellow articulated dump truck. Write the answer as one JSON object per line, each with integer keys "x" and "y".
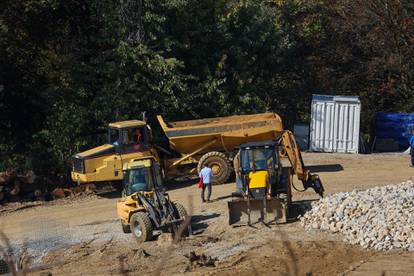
{"x": 193, "y": 144}
{"x": 127, "y": 140}
{"x": 215, "y": 141}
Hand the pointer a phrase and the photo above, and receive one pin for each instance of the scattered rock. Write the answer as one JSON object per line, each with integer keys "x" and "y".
{"x": 380, "y": 218}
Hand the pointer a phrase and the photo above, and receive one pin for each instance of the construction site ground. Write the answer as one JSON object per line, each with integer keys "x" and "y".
{"x": 83, "y": 236}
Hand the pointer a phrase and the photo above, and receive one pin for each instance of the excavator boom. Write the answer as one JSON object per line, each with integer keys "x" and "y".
{"x": 292, "y": 150}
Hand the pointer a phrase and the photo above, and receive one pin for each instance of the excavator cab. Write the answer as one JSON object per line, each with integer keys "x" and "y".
{"x": 265, "y": 191}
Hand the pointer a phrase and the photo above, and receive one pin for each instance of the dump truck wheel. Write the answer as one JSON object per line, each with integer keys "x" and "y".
{"x": 125, "y": 228}
{"x": 220, "y": 165}
{"x": 141, "y": 227}
{"x": 182, "y": 213}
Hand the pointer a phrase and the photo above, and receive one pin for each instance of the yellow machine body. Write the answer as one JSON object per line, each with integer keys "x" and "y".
{"x": 265, "y": 196}
{"x": 128, "y": 205}
{"x": 107, "y": 168}
{"x": 193, "y": 143}
{"x": 145, "y": 206}
{"x": 258, "y": 179}
{"x": 105, "y": 163}
{"x": 223, "y": 132}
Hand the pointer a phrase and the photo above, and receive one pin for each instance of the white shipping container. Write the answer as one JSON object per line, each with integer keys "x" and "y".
{"x": 335, "y": 123}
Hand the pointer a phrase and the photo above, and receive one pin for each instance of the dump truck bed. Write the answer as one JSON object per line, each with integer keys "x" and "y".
{"x": 221, "y": 133}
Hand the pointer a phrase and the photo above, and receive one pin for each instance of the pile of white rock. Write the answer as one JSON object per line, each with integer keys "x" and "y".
{"x": 381, "y": 218}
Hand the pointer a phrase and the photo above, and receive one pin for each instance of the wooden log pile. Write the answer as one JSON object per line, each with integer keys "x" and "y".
{"x": 25, "y": 187}
{"x": 21, "y": 187}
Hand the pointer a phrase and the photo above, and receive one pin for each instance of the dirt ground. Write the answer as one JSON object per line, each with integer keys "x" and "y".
{"x": 84, "y": 237}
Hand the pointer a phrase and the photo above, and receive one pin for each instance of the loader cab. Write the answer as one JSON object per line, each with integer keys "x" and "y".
{"x": 129, "y": 136}
{"x": 259, "y": 156}
{"x": 142, "y": 176}
{"x": 260, "y": 167}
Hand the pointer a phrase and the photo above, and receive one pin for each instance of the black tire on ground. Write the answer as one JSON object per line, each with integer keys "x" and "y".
{"x": 125, "y": 228}
{"x": 182, "y": 213}
{"x": 141, "y": 227}
{"x": 220, "y": 165}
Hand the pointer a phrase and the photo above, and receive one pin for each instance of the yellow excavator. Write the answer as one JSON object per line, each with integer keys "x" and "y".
{"x": 265, "y": 192}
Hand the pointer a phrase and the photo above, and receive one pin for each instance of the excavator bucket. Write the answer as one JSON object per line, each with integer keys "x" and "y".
{"x": 270, "y": 212}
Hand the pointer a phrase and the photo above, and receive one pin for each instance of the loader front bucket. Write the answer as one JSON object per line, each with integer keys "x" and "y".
{"x": 275, "y": 211}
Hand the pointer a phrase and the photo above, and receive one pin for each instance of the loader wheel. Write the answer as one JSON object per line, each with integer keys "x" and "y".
{"x": 182, "y": 213}
{"x": 141, "y": 227}
{"x": 125, "y": 228}
{"x": 220, "y": 165}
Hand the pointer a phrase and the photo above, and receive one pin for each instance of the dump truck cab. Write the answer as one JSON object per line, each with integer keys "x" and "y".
{"x": 145, "y": 206}
{"x": 127, "y": 140}
{"x": 129, "y": 136}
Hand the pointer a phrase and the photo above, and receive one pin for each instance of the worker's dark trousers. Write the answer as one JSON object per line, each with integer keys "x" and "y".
{"x": 208, "y": 186}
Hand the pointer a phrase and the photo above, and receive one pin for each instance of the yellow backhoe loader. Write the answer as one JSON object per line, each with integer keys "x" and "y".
{"x": 145, "y": 207}
{"x": 265, "y": 194}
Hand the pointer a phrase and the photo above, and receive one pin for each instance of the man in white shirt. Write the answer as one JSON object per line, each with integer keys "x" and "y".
{"x": 206, "y": 175}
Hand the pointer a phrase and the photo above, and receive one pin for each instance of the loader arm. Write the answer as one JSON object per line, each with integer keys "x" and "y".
{"x": 294, "y": 155}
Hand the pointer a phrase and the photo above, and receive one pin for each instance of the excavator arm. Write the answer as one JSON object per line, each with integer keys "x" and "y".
{"x": 294, "y": 155}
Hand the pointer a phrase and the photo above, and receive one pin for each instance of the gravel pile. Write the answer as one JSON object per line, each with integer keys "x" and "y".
{"x": 380, "y": 218}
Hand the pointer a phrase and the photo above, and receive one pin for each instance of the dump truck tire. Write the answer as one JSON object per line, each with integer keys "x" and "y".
{"x": 182, "y": 213}
{"x": 125, "y": 228}
{"x": 141, "y": 227}
{"x": 220, "y": 165}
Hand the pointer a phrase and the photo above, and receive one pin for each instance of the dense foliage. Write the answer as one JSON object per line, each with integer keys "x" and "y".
{"x": 68, "y": 67}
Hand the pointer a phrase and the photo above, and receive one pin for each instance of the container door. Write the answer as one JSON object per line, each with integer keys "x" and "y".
{"x": 347, "y": 134}
{"x": 322, "y": 133}
{"x": 316, "y": 126}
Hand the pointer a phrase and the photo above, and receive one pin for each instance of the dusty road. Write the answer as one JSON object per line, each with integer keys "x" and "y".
{"x": 85, "y": 236}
